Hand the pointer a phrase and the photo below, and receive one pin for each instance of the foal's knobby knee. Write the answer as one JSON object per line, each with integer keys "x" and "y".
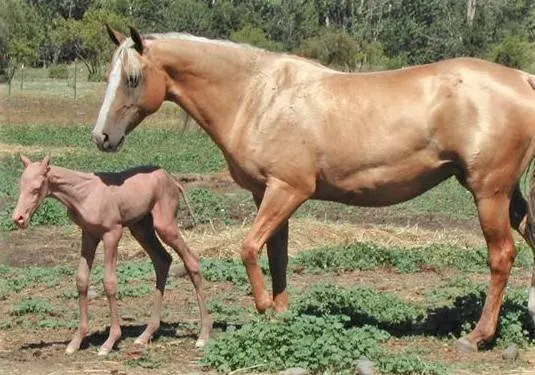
{"x": 82, "y": 284}
{"x": 110, "y": 285}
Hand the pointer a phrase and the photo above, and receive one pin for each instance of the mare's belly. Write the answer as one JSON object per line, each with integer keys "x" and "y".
{"x": 381, "y": 186}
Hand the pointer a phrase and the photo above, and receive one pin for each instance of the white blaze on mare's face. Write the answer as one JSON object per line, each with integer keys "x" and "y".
{"x": 114, "y": 82}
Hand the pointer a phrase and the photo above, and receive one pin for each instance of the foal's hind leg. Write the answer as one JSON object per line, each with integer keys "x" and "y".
{"x": 166, "y": 227}
{"x": 89, "y": 245}
{"x": 143, "y": 232}
{"x": 495, "y": 223}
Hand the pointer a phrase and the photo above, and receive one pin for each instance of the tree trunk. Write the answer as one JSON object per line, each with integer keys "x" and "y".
{"x": 471, "y": 12}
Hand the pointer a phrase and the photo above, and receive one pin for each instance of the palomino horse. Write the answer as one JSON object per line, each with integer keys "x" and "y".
{"x": 293, "y": 130}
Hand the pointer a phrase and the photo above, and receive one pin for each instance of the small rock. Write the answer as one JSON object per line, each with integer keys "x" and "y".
{"x": 511, "y": 353}
{"x": 91, "y": 293}
{"x": 178, "y": 270}
{"x": 365, "y": 367}
{"x": 295, "y": 371}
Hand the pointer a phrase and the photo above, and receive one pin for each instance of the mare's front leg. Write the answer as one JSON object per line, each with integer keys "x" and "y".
{"x": 143, "y": 232}
{"x": 89, "y": 245}
{"x": 277, "y": 250}
{"x": 280, "y": 200}
{"x": 111, "y": 240}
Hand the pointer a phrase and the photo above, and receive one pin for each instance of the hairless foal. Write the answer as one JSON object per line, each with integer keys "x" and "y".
{"x": 144, "y": 199}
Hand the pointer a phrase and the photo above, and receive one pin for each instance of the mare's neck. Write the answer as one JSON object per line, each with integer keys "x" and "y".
{"x": 208, "y": 80}
{"x": 69, "y": 187}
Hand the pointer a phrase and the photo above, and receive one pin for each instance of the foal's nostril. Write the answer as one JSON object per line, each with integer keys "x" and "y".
{"x": 105, "y": 137}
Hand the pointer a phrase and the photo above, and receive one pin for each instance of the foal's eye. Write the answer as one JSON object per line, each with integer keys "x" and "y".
{"x": 132, "y": 81}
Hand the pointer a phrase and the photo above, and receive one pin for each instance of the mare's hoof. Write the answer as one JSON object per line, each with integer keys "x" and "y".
{"x": 464, "y": 346}
{"x": 201, "y": 343}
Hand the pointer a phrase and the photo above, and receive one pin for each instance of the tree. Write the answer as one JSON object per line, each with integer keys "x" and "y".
{"x": 256, "y": 37}
{"x": 334, "y": 48}
{"x": 20, "y": 36}
{"x": 87, "y": 38}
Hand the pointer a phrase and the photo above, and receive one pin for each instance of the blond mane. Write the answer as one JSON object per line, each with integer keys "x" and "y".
{"x": 129, "y": 56}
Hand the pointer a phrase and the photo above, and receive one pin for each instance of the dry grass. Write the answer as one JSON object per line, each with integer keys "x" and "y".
{"x": 226, "y": 242}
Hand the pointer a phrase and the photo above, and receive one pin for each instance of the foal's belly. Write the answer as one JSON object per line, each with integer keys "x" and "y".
{"x": 383, "y": 185}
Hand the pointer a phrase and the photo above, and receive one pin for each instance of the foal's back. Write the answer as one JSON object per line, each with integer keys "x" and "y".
{"x": 132, "y": 193}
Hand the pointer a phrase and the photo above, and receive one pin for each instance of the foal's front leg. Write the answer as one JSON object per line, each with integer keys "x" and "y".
{"x": 111, "y": 240}
{"x": 89, "y": 245}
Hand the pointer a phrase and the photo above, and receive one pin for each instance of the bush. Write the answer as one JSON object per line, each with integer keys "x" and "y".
{"x": 334, "y": 48}
{"x": 513, "y": 51}
{"x": 316, "y": 343}
{"x": 58, "y": 72}
{"x": 255, "y": 36}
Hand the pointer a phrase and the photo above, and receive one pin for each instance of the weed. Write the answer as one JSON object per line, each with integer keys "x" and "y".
{"x": 32, "y": 306}
{"x": 316, "y": 343}
{"x": 366, "y": 256}
{"x": 147, "y": 361}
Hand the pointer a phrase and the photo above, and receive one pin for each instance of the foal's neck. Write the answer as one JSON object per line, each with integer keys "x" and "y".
{"x": 69, "y": 187}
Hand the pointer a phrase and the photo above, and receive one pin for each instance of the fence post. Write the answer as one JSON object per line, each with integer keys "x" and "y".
{"x": 22, "y": 77}
{"x": 75, "y": 79}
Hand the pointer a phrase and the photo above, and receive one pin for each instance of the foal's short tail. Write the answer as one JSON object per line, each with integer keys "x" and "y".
{"x": 181, "y": 188}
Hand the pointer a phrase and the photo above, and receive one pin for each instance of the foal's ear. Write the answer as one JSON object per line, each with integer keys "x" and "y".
{"x": 45, "y": 163}
{"x": 25, "y": 160}
{"x": 139, "y": 44}
{"x": 117, "y": 37}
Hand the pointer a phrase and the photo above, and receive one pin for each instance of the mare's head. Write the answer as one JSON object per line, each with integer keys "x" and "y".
{"x": 136, "y": 88}
{"x": 33, "y": 189}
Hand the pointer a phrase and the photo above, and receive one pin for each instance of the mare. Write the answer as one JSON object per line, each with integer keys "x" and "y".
{"x": 291, "y": 129}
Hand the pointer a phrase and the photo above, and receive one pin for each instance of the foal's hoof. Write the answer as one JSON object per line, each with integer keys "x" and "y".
{"x": 103, "y": 352}
{"x": 201, "y": 343}
{"x": 70, "y": 350}
{"x": 140, "y": 341}
{"x": 464, "y": 346}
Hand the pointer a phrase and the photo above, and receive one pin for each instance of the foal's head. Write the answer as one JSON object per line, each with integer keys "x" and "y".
{"x": 33, "y": 189}
{"x": 136, "y": 88}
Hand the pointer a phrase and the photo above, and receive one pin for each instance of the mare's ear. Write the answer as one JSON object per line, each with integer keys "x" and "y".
{"x": 116, "y": 36}
{"x": 25, "y": 160}
{"x": 139, "y": 44}
{"x": 45, "y": 164}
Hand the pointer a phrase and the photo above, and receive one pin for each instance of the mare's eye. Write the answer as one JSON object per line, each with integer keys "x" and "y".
{"x": 132, "y": 81}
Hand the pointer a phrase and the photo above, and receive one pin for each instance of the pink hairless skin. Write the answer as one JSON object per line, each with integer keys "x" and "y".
{"x": 144, "y": 199}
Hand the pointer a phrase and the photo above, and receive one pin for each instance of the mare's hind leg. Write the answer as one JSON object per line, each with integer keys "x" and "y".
{"x": 166, "y": 227}
{"x": 519, "y": 220}
{"x": 89, "y": 245}
{"x": 495, "y": 223}
{"x": 143, "y": 232}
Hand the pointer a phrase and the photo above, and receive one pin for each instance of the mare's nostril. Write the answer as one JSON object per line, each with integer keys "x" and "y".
{"x": 105, "y": 137}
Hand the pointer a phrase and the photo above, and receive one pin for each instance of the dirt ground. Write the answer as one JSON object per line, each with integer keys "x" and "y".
{"x": 41, "y": 351}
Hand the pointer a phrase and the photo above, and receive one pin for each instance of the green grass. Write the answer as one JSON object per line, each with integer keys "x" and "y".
{"x": 187, "y": 152}
{"x": 367, "y": 256}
